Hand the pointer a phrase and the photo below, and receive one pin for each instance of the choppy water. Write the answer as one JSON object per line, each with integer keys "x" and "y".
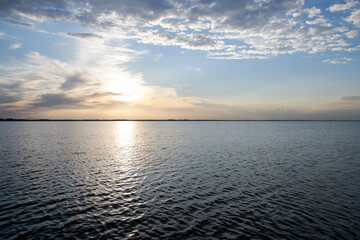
{"x": 180, "y": 180}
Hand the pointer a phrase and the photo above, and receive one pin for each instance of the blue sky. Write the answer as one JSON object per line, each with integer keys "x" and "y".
{"x": 195, "y": 59}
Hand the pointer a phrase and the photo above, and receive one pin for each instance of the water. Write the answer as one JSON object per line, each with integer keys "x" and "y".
{"x": 180, "y": 180}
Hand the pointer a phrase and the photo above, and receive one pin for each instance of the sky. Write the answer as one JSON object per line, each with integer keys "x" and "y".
{"x": 172, "y": 59}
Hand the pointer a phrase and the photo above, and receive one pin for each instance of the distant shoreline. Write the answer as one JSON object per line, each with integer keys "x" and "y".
{"x": 161, "y": 120}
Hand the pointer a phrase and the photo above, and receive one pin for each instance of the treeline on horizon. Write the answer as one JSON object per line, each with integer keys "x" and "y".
{"x": 41, "y": 119}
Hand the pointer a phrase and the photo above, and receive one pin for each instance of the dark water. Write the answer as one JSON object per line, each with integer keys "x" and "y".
{"x": 180, "y": 180}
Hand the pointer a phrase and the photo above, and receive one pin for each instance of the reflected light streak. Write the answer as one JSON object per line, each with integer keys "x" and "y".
{"x": 125, "y": 171}
{"x": 125, "y": 144}
{"x": 125, "y": 140}
{"x": 125, "y": 132}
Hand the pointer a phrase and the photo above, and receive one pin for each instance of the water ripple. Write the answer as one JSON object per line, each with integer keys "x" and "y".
{"x": 179, "y": 180}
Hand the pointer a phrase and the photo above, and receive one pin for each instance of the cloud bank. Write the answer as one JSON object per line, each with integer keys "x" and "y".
{"x": 229, "y": 29}
{"x": 42, "y": 87}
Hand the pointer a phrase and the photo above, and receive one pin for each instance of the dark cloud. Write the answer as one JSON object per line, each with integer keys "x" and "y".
{"x": 243, "y": 14}
{"x": 10, "y": 111}
{"x": 104, "y": 94}
{"x": 54, "y": 100}
{"x": 341, "y": 114}
{"x": 64, "y": 101}
{"x": 189, "y": 41}
{"x": 9, "y": 93}
{"x": 14, "y": 86}
{"x": 234, "y": 13}
{"x": 73, "y": 81}
{"x": 16, "y": 21}
{"x": 89, "y": 12}
{"x": 28, "y": 6}
{"x": 84, "y": 35}
{"x": 351, "y": 98}
{"x": 7, "y": 98}
{"x": 143, "y": 9}
{"x": 13, "y": 10}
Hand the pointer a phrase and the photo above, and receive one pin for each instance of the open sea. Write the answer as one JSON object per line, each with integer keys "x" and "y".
{"x": 180, "y": 180}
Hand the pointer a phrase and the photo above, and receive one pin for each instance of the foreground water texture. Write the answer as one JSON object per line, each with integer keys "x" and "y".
{"x": 180, "y": 180}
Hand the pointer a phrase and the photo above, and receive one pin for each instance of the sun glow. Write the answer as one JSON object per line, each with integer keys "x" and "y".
{"x": 128, "y": 88}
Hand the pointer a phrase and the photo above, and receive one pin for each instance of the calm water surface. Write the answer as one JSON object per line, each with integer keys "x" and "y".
{"x": 180, "y": 180}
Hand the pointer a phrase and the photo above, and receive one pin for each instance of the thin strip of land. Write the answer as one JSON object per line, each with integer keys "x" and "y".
{"x": 229, "y": 120}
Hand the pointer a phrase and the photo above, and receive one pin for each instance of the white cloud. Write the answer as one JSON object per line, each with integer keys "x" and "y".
{"x": 354, "y": 17}
{"x": 95, "y": 78}
{"x": 229, "y": 29}
{"x": 5, "y": 36}
{"x": 319, "y": 21}
{"x": 79, "y": 83}
{"x": 43, "y": 87}
{"x": 15, "y": 46}
{"x": 197, "y": 69}
{"x": 311, "y": 12}
{"x": 338, "y": 61}
{"x": 341, "y": 7}
{"x": 352, "y": 34}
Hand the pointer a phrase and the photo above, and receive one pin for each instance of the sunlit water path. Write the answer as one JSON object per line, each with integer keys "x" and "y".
{"x": 180, "y": 180}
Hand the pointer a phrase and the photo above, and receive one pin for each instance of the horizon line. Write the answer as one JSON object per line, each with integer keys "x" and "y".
{"x": 215, "y": 120}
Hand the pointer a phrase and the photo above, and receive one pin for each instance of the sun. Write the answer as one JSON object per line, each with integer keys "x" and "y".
{"x": 128, "y": 88}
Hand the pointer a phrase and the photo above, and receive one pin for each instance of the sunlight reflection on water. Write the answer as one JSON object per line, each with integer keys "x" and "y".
{"x": 125, "y": 136}
{"x": 179, "y": 180}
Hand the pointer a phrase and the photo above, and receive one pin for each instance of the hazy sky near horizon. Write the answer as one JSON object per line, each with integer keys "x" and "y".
{"x": 195, "y": 59}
